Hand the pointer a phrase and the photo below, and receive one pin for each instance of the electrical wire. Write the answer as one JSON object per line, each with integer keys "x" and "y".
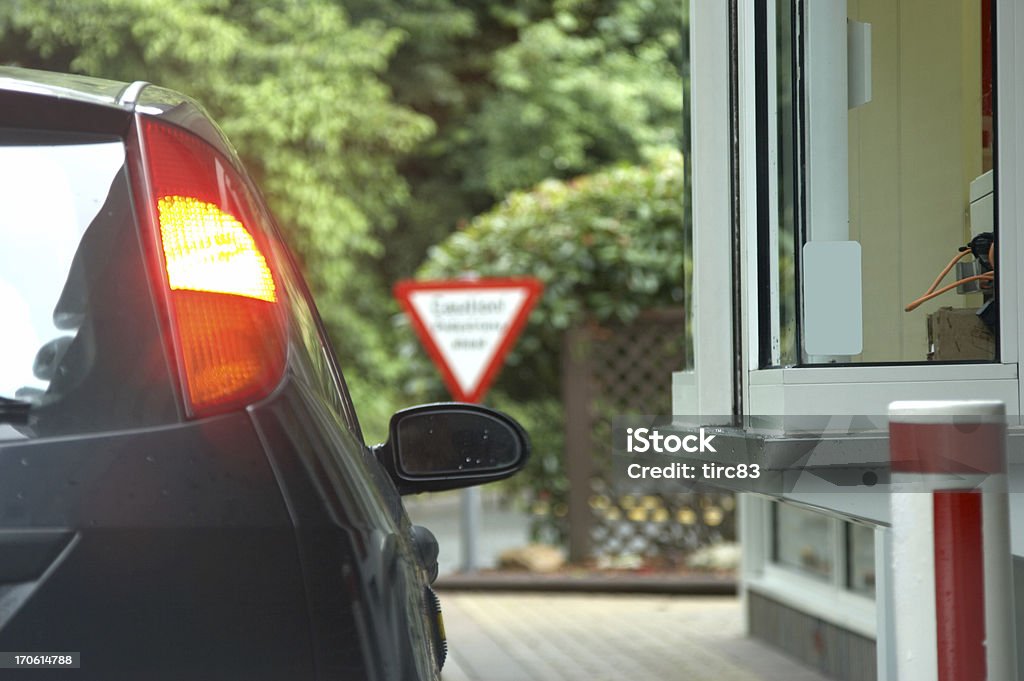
{"x": 964, "y": 251}
{"x": 986, "y": 276}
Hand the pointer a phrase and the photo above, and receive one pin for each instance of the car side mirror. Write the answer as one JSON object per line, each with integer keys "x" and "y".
{"x": 434, "y": 447}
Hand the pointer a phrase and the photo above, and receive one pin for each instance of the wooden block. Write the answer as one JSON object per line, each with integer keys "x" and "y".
{"x": 958, "y": 334}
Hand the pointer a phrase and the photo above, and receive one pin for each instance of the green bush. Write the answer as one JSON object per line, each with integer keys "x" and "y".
{"x": 606, "y": 246}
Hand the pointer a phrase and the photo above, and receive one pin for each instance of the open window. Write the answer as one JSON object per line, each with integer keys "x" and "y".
{"x": 880, "y": 143}
{"x": 876, "y": 161}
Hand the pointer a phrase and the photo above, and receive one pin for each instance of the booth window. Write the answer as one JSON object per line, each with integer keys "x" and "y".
{"x": 880, "y": 173}
{"x": 824, "y": 548}
{"x": 804, "y": 541}
{"x": 860, "y": 565}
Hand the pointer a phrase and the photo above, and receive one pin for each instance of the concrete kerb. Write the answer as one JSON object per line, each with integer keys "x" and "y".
{"x": 691, "y": 585}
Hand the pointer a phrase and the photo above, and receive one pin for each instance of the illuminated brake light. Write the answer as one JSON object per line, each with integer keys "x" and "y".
{"x": 209, "y": 250}
{"x": 215, "y": 269}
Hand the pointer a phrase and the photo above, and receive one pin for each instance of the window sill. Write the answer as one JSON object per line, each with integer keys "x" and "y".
{"x": 868, "y": 390}
{"x": 841, "y": 607}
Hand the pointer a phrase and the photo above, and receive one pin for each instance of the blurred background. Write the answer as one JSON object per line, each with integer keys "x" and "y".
{"x": 436, "y": 138}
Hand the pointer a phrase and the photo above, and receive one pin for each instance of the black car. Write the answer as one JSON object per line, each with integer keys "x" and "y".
{"x": 185, "y": 492}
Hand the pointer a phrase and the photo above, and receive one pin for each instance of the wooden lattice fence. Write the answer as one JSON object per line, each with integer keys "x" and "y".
{"x": 617, "y": 371}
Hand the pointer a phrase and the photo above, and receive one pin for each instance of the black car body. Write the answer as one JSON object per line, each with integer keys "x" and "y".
{"x": 184, "y": 488}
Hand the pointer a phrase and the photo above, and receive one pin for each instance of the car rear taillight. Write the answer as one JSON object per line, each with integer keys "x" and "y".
{"x": 214, "y": 267}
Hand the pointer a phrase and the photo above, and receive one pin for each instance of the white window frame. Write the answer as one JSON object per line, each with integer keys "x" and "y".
{"x": 830, "y": 600}
{"x": 867, "y": 389}
{"x": 708, "y": 388}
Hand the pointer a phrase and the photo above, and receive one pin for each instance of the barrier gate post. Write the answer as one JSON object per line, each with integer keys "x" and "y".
{"x": 952, "y": 579}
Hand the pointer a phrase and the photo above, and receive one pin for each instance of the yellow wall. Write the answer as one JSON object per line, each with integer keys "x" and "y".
{"x": 914, "y": 150}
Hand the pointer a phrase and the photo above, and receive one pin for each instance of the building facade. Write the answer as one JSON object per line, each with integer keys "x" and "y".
{"x": 842, "y": 152}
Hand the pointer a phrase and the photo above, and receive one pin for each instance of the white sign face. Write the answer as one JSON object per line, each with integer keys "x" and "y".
{"x": 469, "y": 327}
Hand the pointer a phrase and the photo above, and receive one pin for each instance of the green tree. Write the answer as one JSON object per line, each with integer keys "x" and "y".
{"x": 589, "y": 86}
{"x": 376, "y": 127}
{"x": 521, "y": 91}
{"x": 606, "y": 246}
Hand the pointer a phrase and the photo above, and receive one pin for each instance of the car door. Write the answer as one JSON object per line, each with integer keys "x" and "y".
{"x": 353, "y": 531}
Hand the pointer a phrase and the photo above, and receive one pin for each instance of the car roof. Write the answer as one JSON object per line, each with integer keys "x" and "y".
{"x": 84, "y": 89}
{"x": 136, "y": 97}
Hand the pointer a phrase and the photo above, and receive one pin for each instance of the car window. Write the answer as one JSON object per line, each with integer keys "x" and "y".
{"x": 80, "y": 342}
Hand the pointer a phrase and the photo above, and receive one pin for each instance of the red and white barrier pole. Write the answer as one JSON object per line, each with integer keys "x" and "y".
{"x": 952, "y": 580}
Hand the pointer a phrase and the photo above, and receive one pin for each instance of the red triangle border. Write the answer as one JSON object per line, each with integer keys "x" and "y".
{"x": 534, "y": 288}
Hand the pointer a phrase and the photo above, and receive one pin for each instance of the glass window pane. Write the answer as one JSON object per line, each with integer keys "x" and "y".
{"x": 860, "y": 549}
{"x": 686, "y": 146}
{"x": 915, "y": 142}
{"x": 81, "y": 345}
{"x": 51, "y": 194}
{"x": 804, "y": 540}
{"x": 916, "y": 149}
{"x": 787, "y": 179}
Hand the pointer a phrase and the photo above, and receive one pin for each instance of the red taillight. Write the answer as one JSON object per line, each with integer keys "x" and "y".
{"x": 206, "y": 249}
{"x": 215, "y": 271}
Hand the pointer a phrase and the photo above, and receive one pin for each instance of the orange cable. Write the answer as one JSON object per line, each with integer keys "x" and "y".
{"x": 942, "y": 275}
{"x": 986, "y": 276}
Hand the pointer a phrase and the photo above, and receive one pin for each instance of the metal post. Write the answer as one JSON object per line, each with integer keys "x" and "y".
{"x": 951, "y": 568}
{"x": 579, "y": 465}
{"x": 885, "y": 641}
{"x": 471, "y": 508}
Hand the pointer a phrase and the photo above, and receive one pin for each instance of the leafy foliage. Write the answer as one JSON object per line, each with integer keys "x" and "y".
{"x": 521, "y": 91}
{"x": 585, "y": 93}
{"x": 606, "y": 246}
{"x": 376, "y": 127}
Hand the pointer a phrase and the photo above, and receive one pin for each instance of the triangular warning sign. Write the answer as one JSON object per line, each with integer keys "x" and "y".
{"x": 468, "y": 326}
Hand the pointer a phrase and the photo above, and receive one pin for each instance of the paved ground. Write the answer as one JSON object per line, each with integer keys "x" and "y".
{"x": 585, "y": 637}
